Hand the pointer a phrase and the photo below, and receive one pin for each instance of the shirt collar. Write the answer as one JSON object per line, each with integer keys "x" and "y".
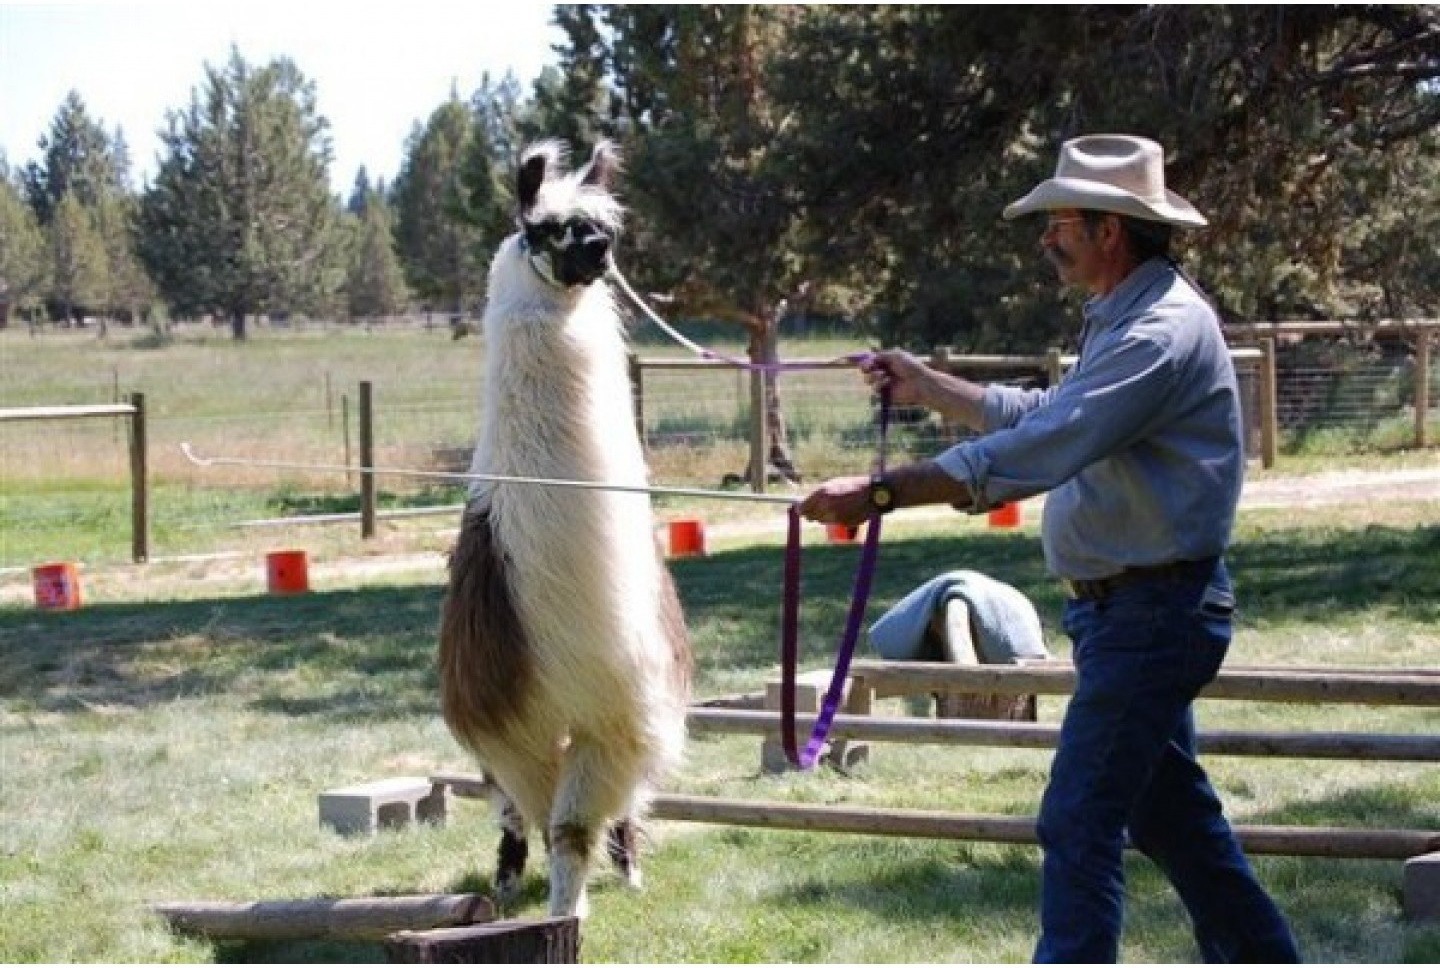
{"x": 1102, "y": 311}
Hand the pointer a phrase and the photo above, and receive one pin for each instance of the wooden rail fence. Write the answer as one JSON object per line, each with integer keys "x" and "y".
{"x": 134, "y": 413}
{"x": 1420, "y": 849}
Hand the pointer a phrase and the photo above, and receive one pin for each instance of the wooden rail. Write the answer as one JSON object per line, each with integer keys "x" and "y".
{"x": 1020, "y": 735}
{"x": 889, "y": 822}
{"x": 134, "y": 412}
{"x": 919, "y": 678}
{"x": 66, "y": 412}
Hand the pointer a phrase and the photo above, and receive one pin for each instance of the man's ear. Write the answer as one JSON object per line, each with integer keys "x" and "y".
{"x": 1112, "y": 234}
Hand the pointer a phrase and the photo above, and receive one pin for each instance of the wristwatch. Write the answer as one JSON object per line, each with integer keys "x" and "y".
{"x": 882, "y": 494}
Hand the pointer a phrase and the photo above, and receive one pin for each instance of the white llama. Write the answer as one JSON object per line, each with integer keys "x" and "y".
{"x": 564, "y": 658}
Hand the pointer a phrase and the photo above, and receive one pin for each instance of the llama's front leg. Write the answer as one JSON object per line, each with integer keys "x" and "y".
{"x": 571, "y": 847}
{"x": 594, "y": 787}
{"x": 514, "y": 849}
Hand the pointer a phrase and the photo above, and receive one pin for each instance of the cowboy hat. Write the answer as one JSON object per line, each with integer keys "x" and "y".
{"x": 1110, "y": 173}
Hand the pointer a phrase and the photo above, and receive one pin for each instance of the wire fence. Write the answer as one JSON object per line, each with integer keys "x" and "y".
{"x": 63, "y": 490}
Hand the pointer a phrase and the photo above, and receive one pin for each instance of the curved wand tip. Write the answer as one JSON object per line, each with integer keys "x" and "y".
{"x": 191, "y": 456}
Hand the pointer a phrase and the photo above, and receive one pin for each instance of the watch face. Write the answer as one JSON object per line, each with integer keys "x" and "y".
{"x": 880, "y": 494}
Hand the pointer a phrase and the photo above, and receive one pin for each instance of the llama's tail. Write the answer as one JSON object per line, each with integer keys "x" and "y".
{"x": 485, "y": 661}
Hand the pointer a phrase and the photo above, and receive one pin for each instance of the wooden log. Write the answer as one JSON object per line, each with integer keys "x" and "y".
{"x": 341, "y": 919}
{"x": 1045, "y": 679}
{"x": 1289, "y": 841}
{"x": 546, "y": 941}
{"x": 1020, "y": 735}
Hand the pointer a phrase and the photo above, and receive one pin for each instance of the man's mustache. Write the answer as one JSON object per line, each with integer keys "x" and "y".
{"x": 1058, "y": 256}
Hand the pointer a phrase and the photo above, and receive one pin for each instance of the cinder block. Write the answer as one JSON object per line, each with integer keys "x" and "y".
{"x": 466, "y": 786}
{"x": 366, "y": 807}
{"x": 1422, "y": 887}
{"x": 810, "y": 689}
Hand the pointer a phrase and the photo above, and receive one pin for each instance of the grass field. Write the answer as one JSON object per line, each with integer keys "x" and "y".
{"x": 168, "y": 740}
{"x": 169, "y": 743}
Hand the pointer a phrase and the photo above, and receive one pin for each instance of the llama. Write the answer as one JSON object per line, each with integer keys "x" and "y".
{"x": 564, "y": 657}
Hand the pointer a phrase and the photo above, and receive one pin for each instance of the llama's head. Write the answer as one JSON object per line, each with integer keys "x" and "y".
{"x": 568, "y": 220}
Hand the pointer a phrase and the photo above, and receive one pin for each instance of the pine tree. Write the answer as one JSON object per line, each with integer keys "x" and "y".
{"x": 240, "y": 219}
{"x": 376, "y": 283}
{"x": 79, "y": 159}
{"x": 79, "y": 267}
{"x": 440, "y": 252}
{"x": 22, "y": 251}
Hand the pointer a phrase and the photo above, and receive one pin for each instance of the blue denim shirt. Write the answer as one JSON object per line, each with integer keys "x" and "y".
{"x": 1141, "y": 444}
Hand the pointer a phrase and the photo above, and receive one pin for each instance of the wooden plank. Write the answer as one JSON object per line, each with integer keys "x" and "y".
{"x": 546, "y": 941}
{"x": 1288, "y": 841}
{"x": 62, "y": 413}
{"x": 341, "y": 919}
{"x": 1311, "y": 687}
{"x": 1020, "y": 735}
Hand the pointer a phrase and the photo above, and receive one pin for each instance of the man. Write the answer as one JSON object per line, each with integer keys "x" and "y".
{"x": 1141, "y": 450}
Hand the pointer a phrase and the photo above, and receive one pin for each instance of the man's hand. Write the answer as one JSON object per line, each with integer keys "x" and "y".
{"x": 906, "y": 376}
{"x": 913, "y": 383}
{"x": 840, "y": 500}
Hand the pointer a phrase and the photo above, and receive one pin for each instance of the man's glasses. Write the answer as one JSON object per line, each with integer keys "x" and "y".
{"x": 1052, "y": 226}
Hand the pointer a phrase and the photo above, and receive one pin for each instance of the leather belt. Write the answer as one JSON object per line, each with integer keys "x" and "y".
{"x": 1099, "y": 589}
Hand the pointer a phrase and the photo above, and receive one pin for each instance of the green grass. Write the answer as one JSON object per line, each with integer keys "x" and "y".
{"x": 169, "y": 741}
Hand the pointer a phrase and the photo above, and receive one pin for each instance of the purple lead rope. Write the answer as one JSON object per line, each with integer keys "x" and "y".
{"x": 790, "y": 623}
{"x": 790, "y": 610}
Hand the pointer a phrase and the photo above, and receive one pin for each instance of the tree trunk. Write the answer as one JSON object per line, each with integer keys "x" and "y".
{"x": 237, "y": 323}
{"x": 764, "y": 347}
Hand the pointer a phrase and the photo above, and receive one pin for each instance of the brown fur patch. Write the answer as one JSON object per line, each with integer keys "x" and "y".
{"x": 484, "y": 658}
{"x": 575, "y": 838}
{"x": 672, "y": 622}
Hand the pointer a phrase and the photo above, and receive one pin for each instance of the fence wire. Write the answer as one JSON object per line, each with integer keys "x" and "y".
{"x": 64, "y": 492}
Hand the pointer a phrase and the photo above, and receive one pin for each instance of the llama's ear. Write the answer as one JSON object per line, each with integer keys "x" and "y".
{"x": 604, "y": 163}
{"x": 532, "y": 176}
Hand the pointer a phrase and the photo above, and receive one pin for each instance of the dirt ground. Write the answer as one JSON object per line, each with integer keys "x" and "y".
{"x": 1343, "y": 487}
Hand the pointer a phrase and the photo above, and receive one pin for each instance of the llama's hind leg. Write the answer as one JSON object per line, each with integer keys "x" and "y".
{"x": 514, "y": 849}
{"x": 620, "y": 844}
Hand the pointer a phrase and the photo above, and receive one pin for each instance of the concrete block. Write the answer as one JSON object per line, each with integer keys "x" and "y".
{"x": 1422, "y": 887}
{"x": 398, "y": 802}
{"x": 466, "y": 786}
{"x": 810, "y": 689}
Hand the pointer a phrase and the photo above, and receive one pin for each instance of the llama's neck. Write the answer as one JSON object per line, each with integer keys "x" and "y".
{"x": 556, "y": 399}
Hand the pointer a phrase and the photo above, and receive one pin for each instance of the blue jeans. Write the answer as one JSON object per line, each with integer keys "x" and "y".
{"x": 1126, "y": 764}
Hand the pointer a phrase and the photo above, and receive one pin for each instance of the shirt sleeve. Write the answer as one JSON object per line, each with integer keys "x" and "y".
{"x": 1108, "y": 401}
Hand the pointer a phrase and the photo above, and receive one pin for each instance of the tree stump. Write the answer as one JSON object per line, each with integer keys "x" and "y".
{"x": 546, "y": 941}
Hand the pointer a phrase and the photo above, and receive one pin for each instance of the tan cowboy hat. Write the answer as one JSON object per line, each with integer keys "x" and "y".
{"x": 1110, "y": 173}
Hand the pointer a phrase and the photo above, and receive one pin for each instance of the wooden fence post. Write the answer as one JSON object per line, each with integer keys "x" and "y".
{"x": 1422, "y": 388}
{"x": 1269, "y": 404}
{"x": 1054, "y": 366}
{"x": 139, "y": 483}
{"x": 367, "y": 461}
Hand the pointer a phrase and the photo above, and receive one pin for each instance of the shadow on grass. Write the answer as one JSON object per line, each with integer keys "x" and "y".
{"x": 369, "y": 653}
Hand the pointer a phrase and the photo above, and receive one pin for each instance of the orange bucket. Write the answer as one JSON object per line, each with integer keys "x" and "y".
{"x": 287, "y": 572}
{"x": 687, "y": 538}
{"x": 842, "y": 533}
{"x": 1006, "y": 515}
{"x": 57, "y": 587}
